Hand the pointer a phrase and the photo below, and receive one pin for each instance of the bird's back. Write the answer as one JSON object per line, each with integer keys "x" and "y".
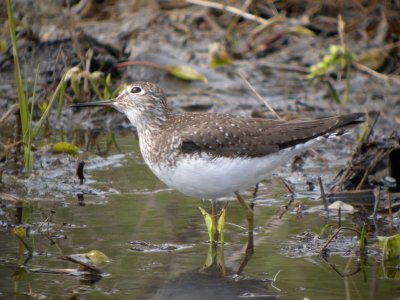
{"x": 223, "y": 135}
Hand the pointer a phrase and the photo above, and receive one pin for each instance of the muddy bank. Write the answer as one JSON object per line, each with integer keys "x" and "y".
{"x": 155, "y": 236}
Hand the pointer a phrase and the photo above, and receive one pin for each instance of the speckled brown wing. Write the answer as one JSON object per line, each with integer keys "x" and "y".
{"x": 252, "y": 137}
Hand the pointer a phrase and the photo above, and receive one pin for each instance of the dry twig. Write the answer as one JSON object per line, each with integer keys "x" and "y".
{"x": 321, "y": 187}
{"x": 12, "y": 110}
{"x": 375, "y": 73}
{"x": 258, "y": 95}
{"x": 291, "y": 198}
{"x": 236, "y": 11}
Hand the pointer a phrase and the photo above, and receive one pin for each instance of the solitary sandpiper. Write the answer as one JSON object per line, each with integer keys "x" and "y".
{"x": 209, "y": 155}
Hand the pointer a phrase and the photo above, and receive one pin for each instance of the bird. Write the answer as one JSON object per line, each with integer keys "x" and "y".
{"x": 212, "y": 155}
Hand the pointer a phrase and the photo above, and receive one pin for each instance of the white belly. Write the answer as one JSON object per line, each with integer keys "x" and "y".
{"x": 210, "y": 178}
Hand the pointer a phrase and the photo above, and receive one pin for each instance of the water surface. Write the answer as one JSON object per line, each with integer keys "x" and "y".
{"x": 136, "y": 207}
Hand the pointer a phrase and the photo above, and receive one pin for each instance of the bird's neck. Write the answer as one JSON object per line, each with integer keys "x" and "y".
{"x": 150, "y": 122}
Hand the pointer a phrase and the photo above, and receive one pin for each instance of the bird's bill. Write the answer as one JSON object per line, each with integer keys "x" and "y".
{"x": 95, "y": 103}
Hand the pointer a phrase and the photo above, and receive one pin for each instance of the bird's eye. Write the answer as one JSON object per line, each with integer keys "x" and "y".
{"x": 136, "y": 90}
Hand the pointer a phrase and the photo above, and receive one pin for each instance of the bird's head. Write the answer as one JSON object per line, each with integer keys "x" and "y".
{"x": 144, "y": 103}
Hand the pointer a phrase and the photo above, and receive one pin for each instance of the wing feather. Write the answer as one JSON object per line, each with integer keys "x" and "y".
{"x": 232, "y": 136}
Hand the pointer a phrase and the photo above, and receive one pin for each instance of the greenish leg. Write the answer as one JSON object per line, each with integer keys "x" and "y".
{"x": 250, "y": 222}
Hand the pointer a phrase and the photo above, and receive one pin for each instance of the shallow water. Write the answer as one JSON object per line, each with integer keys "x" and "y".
{"x": 137, "y": 212}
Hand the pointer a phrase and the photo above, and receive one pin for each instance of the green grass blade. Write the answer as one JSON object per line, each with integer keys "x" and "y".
{"x": 346, "y": 93}
{"x": 363, "y": 241}
{"x": 23, "y": 107}
{"x": 363, "y": 134}
{"x": 20, "y": 89}
{"x": 95, "y": 89}
{"x": 61, "y": 99}
{"x": 107, "y": 87}
{"x": 211, "y": 227}
{"x": 39, "y": 124}
{"x": 348, "y": 58}
{"x": 28, "y": 157}
{"x": 221, "y": 226}
{"x": 333, "y": 92}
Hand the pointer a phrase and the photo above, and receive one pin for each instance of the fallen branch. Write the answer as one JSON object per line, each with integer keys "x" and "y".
{"x": 236, "y": 11}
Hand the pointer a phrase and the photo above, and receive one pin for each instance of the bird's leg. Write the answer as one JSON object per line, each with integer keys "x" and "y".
{"x": 255, "y": 191}
{"x": 250, "y": 222}
{"x": 254, "y": 195}
{"x": 249, "y": 211}
{"x": 213, "y": 207}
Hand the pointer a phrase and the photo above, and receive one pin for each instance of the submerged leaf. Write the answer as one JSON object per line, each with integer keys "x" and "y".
{"x": 20, "y": 232}
{"x": 390, "y": 246}
{"x": 221, "y": 260}
{"x": 64, "y": 147}
{"x": 186, "y": 73}
{"x": 210, "y": 257}
{"x": 97, "y": 257}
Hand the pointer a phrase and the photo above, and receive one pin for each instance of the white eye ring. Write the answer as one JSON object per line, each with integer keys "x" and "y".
{"x": 136, "y": 90}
